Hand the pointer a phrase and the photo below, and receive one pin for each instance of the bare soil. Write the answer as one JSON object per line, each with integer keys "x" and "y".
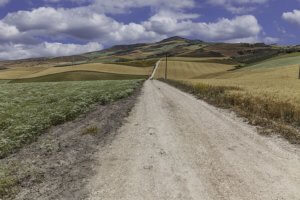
{"x": 59, "y": 163}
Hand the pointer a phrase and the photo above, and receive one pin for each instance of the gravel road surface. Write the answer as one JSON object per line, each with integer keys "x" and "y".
{"x": 174, "y": 146}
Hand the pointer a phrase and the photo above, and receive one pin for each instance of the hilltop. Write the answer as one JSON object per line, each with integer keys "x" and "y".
{"x": 242, "y": 53}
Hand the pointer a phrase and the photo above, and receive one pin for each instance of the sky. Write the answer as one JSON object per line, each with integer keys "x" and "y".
{"x": 50, "y": 28}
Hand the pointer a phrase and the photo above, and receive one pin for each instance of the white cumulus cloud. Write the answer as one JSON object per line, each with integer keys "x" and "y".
{"x": 238, "y": 6}
{"x": 292, "y": 17}
{"x": 78, "y": 23}
{"x": 8, "y": 31}
{"x": 24, "y": 33}
{"x": 238, "y": 27}
{"x": 224, "y": 29}
{"x": 45, "y": 49}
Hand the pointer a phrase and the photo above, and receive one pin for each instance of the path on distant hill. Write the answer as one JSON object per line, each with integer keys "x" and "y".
{"x": 155, "y": 69}
{"x": 174, "y": 146}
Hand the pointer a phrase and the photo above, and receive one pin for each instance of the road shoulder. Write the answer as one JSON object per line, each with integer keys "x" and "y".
{"x": 59, "y": 163}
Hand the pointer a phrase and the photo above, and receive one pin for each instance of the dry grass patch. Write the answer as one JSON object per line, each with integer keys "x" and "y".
{"x": 91, "y": 130}
{"x": 195, "y": 59}
{"x": 15, "y": 73}
{"x": 32, "y": 72}
{"x": 268, "y": 94}
{"x": 279, "y": 84}
{"x": 96, "y": 67}
{"x": 190, "y": 70}
{"x": 280, "y": 116}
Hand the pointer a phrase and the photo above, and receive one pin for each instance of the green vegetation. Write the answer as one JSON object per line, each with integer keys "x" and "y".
{"x": 27, "y": 110}
{"x": 4, "y": 81}
{"x": 144, "y": 55}
{"x": 256, "y": 56}
{"x": 286, "y": 55}
{"x": 79, "y": 76}
{"x": 278, "y": 61}
{"x": 7, "y": 181}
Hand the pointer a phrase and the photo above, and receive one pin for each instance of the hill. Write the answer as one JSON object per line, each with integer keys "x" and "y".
{"x": 123, "y": 61}
{"x": 149, "y": 52}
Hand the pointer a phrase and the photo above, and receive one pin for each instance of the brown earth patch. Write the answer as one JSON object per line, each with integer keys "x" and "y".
{"x": 59, "y": 163}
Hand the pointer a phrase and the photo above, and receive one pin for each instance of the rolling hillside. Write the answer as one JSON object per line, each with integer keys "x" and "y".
{"x": 186, "y": 68}
{"x": 138, "y": 59}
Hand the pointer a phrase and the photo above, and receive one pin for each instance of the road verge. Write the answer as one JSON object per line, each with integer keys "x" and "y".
{"x": 60, "y": 162}
{"x": 270, "y": 117}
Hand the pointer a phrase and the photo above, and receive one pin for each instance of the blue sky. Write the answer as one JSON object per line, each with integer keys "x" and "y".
{"x": 37, "y": 28}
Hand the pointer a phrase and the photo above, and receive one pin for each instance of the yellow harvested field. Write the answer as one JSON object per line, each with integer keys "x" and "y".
{"x": 192, "y": 59}
{"x": 190, "y": 70}
{"x": 281, "y": 84}
{"x": 31, "y": 72}
{"x": 18, "y": 72}
{"x": 265, "y": 93}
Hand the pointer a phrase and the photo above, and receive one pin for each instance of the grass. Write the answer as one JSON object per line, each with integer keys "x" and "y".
{"x": 267, "y": 94}
{"x": 79, "y": 76}
{"x": 262, "y": 111}
{"x": 214, "y": 60}
{"x": 91, "y": 130}
{"x": 279, "y": 61}
{"x": 4, "y": 81}
{"x": 32, "y": 72}
{"x": 27, "y": 110}
{"x": 66, "y": 64}
{"x": 281, "y": 83}
{"x": 257, "y": 56}
{"x": 294, "y": 54}
{"x": 15, "y": 73}
{"x": 190, "y": 70}
{"x": 7, "y": 181}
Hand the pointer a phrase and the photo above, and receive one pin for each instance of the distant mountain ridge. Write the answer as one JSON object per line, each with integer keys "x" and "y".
{"x": 173, "y": 46}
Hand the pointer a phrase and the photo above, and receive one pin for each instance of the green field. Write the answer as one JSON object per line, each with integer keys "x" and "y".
{"x": 3, "y": 81}
{"x": 79, "y": 76}
{"x": 27, "y": 110}
{"x": 295, "y": 54}
{"x": 279, "y": 61}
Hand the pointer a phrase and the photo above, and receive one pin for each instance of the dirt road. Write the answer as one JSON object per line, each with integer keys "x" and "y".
{"x": 155, "y": 69}
{"x": 176, "y": 147}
